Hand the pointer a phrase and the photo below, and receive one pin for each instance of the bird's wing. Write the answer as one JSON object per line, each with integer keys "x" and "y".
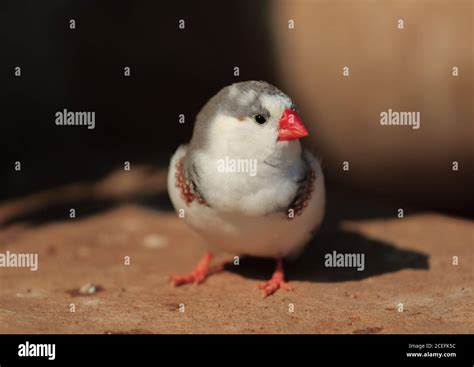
{"x": 305, "y": 183}
{"x": 192, "y": 175}
{"x": 186, "y": 176}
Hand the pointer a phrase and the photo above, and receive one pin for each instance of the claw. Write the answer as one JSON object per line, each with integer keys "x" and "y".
{"x": 276, "y": 282}
{"x": 199, "y": 274}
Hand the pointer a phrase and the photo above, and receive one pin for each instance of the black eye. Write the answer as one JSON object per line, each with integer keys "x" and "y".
{"x": 260, "y": 119}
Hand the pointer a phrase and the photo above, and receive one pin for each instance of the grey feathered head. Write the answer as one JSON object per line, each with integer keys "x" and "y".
{"x": 239, "y": 100}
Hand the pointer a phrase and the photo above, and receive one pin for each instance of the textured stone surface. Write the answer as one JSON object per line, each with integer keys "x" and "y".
{"x": 408, "y": 261}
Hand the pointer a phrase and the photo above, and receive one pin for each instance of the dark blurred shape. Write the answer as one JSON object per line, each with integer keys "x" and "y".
{"x": 173, "y": 71}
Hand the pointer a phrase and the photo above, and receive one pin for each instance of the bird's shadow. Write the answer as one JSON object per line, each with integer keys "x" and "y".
{"x": 379, "y": 258}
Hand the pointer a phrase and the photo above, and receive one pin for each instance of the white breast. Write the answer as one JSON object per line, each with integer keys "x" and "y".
{"x": 237, "y": 232}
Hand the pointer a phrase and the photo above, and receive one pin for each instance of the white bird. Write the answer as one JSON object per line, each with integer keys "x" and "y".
{"x": 245, "y": 183}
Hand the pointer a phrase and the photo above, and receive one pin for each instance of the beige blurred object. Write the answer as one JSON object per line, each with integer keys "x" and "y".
{"x": 407, "y": 69}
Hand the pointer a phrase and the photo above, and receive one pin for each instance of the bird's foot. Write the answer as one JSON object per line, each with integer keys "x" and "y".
{"x": 276, "y": 282}
{"x": 199, "y": 274}
{"x": 271, "y": 286}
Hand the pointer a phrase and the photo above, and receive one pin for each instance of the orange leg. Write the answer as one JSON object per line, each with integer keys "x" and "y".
{"x": 276, "y": 282}
{"x": 200, "y": 272}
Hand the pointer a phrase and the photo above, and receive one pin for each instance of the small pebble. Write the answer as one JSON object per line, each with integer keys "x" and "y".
{"x": 88, "y": 288}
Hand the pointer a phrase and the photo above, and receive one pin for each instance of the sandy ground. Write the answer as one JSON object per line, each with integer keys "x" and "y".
{"x": 408, "y": 261}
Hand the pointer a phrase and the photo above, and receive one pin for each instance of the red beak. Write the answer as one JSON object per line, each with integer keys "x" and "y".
{"x": 291, "y": 127}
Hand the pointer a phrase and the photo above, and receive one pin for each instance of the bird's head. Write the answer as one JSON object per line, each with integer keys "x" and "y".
{"x": 250, "y": 118}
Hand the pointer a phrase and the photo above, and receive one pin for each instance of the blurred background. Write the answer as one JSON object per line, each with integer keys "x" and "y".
{"x": 301, "y": 46}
